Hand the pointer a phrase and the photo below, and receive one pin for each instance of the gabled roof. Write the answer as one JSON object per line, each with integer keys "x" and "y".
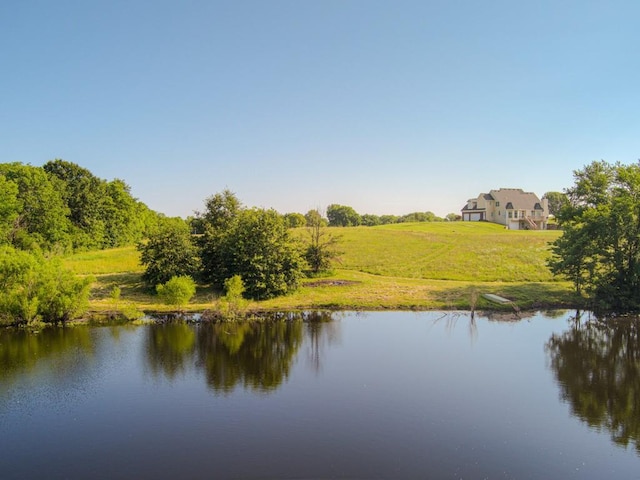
{"x": 516, "y": 199}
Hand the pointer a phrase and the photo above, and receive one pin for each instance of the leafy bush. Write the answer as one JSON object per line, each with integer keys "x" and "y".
{"x": 177, "y": 291}
{"x": 33, "y": 289}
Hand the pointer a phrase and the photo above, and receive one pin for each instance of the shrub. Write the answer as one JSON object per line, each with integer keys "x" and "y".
{"x": 177, "y": 291}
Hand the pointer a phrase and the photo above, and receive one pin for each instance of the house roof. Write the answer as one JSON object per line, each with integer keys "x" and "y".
{"x": 516, "y": 199}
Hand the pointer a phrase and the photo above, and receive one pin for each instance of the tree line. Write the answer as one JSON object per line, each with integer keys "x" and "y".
{"x": 52, "y": 210}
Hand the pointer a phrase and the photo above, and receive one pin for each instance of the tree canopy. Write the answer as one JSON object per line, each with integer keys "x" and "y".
{"x": 253, "y": 243}
{"x": 599, "y": 250}
{"x": 62, "y": 207}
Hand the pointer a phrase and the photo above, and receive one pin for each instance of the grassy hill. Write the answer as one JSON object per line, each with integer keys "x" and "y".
{"x": 403, "y": 266}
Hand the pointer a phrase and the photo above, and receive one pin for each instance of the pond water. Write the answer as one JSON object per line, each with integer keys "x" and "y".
{"x": 354, "y": 395}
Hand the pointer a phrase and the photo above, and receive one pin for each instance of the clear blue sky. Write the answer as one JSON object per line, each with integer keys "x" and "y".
{"x": 387, "y": 106}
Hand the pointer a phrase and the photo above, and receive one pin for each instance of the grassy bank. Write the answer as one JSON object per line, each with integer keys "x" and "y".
{"x": 405, "y": 266}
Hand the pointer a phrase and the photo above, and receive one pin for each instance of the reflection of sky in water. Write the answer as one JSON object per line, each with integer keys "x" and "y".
{"x": 375, "y": 395}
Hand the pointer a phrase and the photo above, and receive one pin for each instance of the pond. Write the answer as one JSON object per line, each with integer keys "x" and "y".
{"x": 352, "y": 395}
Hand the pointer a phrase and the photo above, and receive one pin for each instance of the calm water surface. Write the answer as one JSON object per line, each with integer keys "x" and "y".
{"x": 375, "y": 395}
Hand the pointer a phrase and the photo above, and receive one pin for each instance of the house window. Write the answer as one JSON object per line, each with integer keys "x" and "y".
{"x": 515, "y": 214}
{"x": 497, "y": 204}
{"x": 510, "y": 214}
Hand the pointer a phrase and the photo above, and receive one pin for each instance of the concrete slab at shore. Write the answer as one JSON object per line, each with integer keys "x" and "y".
{"x": 495, "y": 298}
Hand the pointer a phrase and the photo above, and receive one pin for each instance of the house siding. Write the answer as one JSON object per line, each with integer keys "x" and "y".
{"x": 525, "y": 210}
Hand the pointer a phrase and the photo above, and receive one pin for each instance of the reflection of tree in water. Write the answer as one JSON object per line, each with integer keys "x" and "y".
{"x": 322, "y": 331}
{"x": 597, "y": 364}
{"x": 63, "y": 351}
{"x": 169, "y": 347}
{"x": 256, "y": 355}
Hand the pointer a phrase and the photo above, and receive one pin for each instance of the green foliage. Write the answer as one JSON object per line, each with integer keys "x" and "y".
{"x": 234, "y": 288}
{"x": 42, "y": 218}
{"x": 9, "y": 208}
{"x": 342, "y": 216}
{"x": 252, "y": 243}
{"x": 321, "y": 249}
{"x": 295, "y": 220}
{"x": 33, "y": 288}
{"x": 557, "y": 201}
{"x": 599, "y": 250}
{"x": 62, "y": 206}
{"x": 232, "y": 303}
{"x": 177, "y": 291}
{"x": 314, "y": 217}
{"x": 169, "y": 252}
{"x": 221, "y": 210}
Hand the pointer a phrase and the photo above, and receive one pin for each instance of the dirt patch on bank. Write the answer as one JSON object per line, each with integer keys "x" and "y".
{"x": 330, "y": 283}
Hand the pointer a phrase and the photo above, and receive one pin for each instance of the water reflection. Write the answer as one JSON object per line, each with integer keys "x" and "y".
{"x": 256, "y": 356}
{"x": 597, "y": 365}
{"x": 57, "y": 349}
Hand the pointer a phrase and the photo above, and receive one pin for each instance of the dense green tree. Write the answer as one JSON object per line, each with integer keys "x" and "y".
{"x": 9, "y": 208}
{"x": 369, "y": 220}
{"x": 453, "y": 217}
{"x": 263, "y": 254}
{"x": 169, "y": 252}
{"x": 295, "y": 220}
{"x": 43, "y": 216}
{"x": 419, "y": 217}
{"x": 342, "y": 216}
{"x": 252, "y": 243}
{"x": 600, "y": 247}
{"x": 557, "y": 201}
{"x": 221, "y": 210}
{"x": 388, "y": 219}
{"x": 84, "y": 195}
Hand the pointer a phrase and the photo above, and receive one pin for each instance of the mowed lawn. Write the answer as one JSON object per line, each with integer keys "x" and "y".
{"x": 418, "y": 265}
{"x": 463, "y": 251}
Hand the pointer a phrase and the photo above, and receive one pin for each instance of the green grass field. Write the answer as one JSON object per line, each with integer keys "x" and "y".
{"x": 403, "y": 266}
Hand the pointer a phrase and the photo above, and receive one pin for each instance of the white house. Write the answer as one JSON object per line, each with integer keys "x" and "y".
{"x": 512, "y": 207}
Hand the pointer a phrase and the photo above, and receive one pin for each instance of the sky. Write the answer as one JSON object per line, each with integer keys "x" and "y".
{"x": 389, "y": 107}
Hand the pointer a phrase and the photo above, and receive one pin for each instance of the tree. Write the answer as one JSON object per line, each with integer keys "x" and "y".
{"x": 295, "y": 220}
{"x": 42, "y": 220}
{"x": 9, "y": 208}
{"x": 342, "y": 216}
{"x": 221, "y": 210}
{"x": 255, "y": 244}
{"x": 370, "y": 220}
{"x": 264, "y": 254}
{"x": 314, "y": 217}
{"x": 169, "y": 252}
{"x": 453, "y": 217}
{"x": 321, "y": 250}
{"x": 84, "y": 195}
{"x": 177, "y": 291}
{"x": 557, "y": 200}
{"x": 599, "y": 250}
